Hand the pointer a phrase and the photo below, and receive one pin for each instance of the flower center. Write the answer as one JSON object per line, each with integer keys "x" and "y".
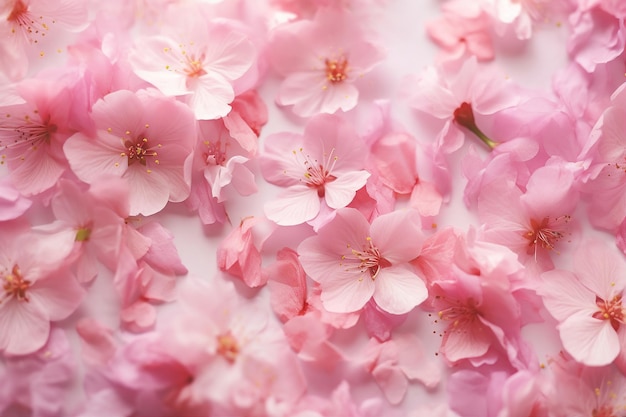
{"x": 83, "y": 234}
{"x": 25, "y": 131}
{"x": 603, "y": 411}
{"x": 138, "y": 151}
{"x": 214, "y": 154}
{"x": 611, "y": 310}
{"x": 29, "y": 26}
{"x": 317, "y": 174}
{"x": 546, "y": 233}
{"x": 336, "y": 69}
{"x": 369, "y": 259}
{"x": 227, "y": 346}
{"x": 194, "y": 67}
{"x": 15, "y": 285}
{"x": 459, "y": 313}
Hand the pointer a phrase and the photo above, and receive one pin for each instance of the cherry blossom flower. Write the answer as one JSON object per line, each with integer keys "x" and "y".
{"x": 32, "y": 134}
{"x": 396, "y": 362}
{"x": 455, "y": 94}
{"x": 533, "y": 224}
{"x": 36, "y": 289}
{"x": 38, "y": 383}
{"x": 240, "y": 360}
{"x": 462, "y": 30}
{"x": 144, "y": 138}
{"x": 522, "y": 15}
{"x": 588, "y": 304}
{"x": 354, "y": 262}
{"x": 26, "y": 24}
{"x": 320, "y": 60}
{"x": 199, "y": 71}
{"x": 607, "y": 188}
{"x": 321, "y": 168}
{"x": 579, "y": 390}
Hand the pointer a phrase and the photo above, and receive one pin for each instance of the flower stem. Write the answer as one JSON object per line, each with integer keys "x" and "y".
{"x": 464, "y": 115}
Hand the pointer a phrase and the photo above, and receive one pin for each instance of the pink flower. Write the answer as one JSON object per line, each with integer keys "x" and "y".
{"x": 32, "y": 134}
{"x": 323, "y": 167}
{"x": 26, "y": 24}
{"x": 607, "y": 208}
{"x": 535, "y": 223}
{"x": 395, "y": 363}
{"x": 455, "y": 94}
{"x": 35, "y": 289}
{"x": 463, "y": 29}
{"x": 321, "y": 59}
{"x": 354, "y": 262}
{"x": 144, "y": 138}
{"x": 588, "y": 304}
{"x": 39, "y": 383}
{"x": 199, "y": 67}
{"x": 578, "y": 390}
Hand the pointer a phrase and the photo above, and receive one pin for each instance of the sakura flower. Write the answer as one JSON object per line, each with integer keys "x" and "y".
{"x": 579, "y": 390}
{"x": 395, "y": 363}
{"x": 32, "y": 134}
{"x": 26, "y": 24}
{"x": 320, "y": 60}
{"x": 463, "y": 29}
{"x": 239, "y": 360}
{"x": 455, "y": 94}
{"x": 146, "y": 139}
{"x": 35, "y": 289}
{"x": 588, "y": 304}
{"x": 320, "y": 169}
{"x": 200, "y": 68}
{"x": 354, "y": 262}
{"x": 39, "y": 383}
{"x": 521, "y": 15}
{"x": 607, "y": 188}
{"x": 534, "y": 223}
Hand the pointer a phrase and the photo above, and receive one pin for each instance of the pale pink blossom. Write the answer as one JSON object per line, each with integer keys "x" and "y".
{"x": 355, "y": 262}
{"x": 322, "y": 167}
{"x": 36, "y": 288}
{"x": 39, "y": 383}
{"x": 536, "y": 223}
{"x": 199, "y": 67}
{"x": 587, "y": 304}
{"x": 145, "y": 138}
{"x": 597, "y": 37}
{"x": 321, "y": 60}
{"x": 240, "y": 361}
{"x": 521, "y": 16}
{"x": 454, "y": 92}
{"x": 32, "y": 134}
{"x": 580, "y": 391}
{"x": 464, "y": 29}
{"x": 397, "y": 362}
{"x": 607, "y": 188}
{"x": 27, "y": 25}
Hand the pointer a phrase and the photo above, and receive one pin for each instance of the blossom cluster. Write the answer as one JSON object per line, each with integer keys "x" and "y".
{"x": 347, "y": 291}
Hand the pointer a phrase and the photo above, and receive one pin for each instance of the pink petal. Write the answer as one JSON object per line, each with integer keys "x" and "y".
{"x": 398, "y": 290}
{"x": 340, "y": 192}
{"x": 589, "y": 340}
{"x": 386, "y": 229}
{"x": 564, "y": 296}
{"x": 24, "y": 328}
{"x": 469, "y": 340}
{"x": 58, "y": 295}
{"x": 211, "y": 97}
{"x": 287, "y": 284}
{"x": 346, "y": 292}
{"x": 295, "y": 205}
